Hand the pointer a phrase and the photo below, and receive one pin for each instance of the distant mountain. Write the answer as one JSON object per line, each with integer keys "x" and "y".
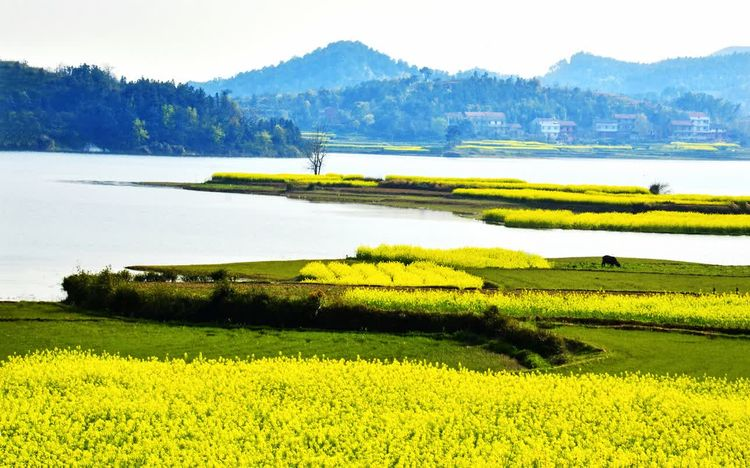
{"x": 337, "y": 65}
{"x": 478, "y": 72}
{"x": 725, "y": 75}
{"x": 732, "y": 50}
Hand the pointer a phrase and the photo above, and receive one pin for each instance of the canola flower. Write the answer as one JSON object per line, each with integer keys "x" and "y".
{"x": 514, "y": 184}
{"x": 626, "y": 189}
{"x": 378, "y": 146}
{"x": 406, "y": 148}
{"x": 725, "y": 311}
{"x": 650, "y": 221}
{"x": 72, "y": 408}
{"x": 353, "y": 180}
{"x": 490, "y": 145}
{"x": 450, "y": 181}
{"x": 707, "y": 146}
{"x": 388, "y": 274}
{"x": 466, "y": 257}
{"x": 596, "y": 197}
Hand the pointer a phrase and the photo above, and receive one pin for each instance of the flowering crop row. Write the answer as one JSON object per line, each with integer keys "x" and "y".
{"x": 690, "y": 146}
{"x": 510, "y": 184}
{"x": 466, "y": 257}
{"x": 388, "y": 274}
{"x": 76, "y": 409}
{"x": 354, "y": 180}
{"x": 725, "y": 311}
{"x": 534, "y": 145}
{"x": 449, "y": 181}
{"x": 650, "y": 221}
{"x": 598, "y": 198}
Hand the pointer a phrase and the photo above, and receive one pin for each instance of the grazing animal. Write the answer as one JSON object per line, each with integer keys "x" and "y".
{"x": 610, "y": 260}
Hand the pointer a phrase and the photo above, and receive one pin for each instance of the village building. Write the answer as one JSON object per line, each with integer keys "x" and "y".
{"x": 554, "y": 130}
{"x": 567, "y": 131}
{"x": 622, "y": 128}
{"x": 606, "y": 130}
{"x": 514, "y": 131}
{"x": 548, "y": 129}
{"x": 484, "y": 124}
{"x": 697, "y": 127}
{"x": 626, "y": 124}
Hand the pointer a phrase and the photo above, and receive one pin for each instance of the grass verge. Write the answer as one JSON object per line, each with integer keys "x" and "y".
{"x": 29, "y": 326}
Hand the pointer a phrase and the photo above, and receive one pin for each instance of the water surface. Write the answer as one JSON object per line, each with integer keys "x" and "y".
{"x": 52, "y": 225}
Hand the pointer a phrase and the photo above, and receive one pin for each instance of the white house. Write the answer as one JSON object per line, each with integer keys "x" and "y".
{"x": 547, "y": 128}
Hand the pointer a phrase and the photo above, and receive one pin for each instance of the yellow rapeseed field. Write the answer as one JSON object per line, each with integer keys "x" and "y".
{"x": 650, "y": 221}
{"x": 457, "y": 182}
{"x": 388, "y": 274}
{"x": 354, "y": 180}
{"x": 727, "y": 311}
{"x": 495, "y": 145}
{"x": 595, "y": 197}
{"x": 450, "y": 181}
{"x": 706, "y": 146}
{"x": 465, "y": 257}
{"x": 76, "y": 409}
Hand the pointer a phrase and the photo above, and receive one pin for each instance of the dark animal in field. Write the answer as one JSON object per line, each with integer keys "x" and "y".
{"x": 610, "y": 260}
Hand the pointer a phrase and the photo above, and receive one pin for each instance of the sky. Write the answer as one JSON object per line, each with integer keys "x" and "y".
{"x": 198, "y": 40}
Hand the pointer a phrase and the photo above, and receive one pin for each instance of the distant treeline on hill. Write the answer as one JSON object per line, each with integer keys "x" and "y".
{"x": 420, "y": 107}
{"x": 86, "y": 108}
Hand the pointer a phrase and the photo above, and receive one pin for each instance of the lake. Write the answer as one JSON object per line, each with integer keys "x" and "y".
{"x": 52, "y": 223}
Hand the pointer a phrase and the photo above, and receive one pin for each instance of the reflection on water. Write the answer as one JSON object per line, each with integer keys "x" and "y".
{"x": 50, "y": 227}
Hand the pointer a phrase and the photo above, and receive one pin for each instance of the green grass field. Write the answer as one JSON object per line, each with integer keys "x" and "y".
{"x": 580, "y": 273}
{"x": 282, "y": 270}
{"x": 29, "y": 326}
{"x": 658, "y": 352}
{"x": 25, "y": 327}
{"x": 625, "y": 350}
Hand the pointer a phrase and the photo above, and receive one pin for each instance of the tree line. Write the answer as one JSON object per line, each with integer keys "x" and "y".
{"x": 86, "y": 107}
{"x": 416, "y": 108}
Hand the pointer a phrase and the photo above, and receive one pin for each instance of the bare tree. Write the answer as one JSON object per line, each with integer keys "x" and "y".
{"x": 317, "y": 148}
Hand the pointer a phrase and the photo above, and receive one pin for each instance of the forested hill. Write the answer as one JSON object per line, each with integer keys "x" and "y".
{"x": 416, "y": 108}
{"x": 337, "y": 65}
{"x": 725, "y": 75}
{"x": 75, "y": 108}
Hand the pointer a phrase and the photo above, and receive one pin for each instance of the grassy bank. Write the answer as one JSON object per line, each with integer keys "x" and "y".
{"x": 28, "y": 326}
{"x": 578, "y": 273}
{"x": 660, "y": 353}
{"x": 514, "y": 202}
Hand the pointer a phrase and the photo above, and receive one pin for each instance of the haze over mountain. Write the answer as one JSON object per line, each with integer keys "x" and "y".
{"x": 725, "y": 74}
{"x": 732, "y": 50}
{"x": 337, "y": 65}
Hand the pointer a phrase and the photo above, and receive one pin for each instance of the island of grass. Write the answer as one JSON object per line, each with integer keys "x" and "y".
{"x": 529, "y": 312}
{"x": 508, "y": 201}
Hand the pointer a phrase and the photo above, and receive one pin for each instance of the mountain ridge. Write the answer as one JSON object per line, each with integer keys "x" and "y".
{"x": 725, "y": 76}
{"x": 336, "y": 65}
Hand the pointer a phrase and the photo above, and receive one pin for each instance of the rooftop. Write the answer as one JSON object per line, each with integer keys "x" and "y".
{"x": 485, "y": 115}
{"x": 697, "y": 115}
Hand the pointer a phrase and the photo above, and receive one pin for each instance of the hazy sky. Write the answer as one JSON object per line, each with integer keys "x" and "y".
{"x": 198, "y": 39}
